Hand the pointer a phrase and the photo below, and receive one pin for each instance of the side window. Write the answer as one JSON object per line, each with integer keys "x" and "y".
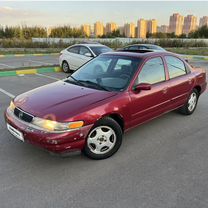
{"x": 142, "y": 47}
{"x": 152, "y": 72}
{"x": 133, "y": 48}
{"x": 176, "y": 67}
{"x": 83, "y": 50}
{"x": 74, "y": 49}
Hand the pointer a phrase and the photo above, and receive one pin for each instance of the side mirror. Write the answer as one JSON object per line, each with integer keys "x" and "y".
{"x": 142, "y": 86}
{"x": 88, "y": 54}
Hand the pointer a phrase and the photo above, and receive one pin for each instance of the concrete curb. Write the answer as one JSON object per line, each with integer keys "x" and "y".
{"x": 29, "y": 54}
{"x": 30, "y": 71}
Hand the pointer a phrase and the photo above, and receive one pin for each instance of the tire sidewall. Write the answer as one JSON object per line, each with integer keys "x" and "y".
{"x": 119, "y": 134}
{"x": 65, "y": 62}
{"x": 197, "y": 95}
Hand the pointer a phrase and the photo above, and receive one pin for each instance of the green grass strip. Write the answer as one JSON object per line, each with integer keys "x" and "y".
{"x": 7, "y": 73}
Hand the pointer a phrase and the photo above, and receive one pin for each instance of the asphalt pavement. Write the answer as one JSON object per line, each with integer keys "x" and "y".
{"x": 28, "y": 61}
{"x": 161, "y": 164}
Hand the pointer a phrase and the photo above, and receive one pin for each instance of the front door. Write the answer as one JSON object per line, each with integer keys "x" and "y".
{"x": 84, "y": 57}
{"x": 148, "y": 104}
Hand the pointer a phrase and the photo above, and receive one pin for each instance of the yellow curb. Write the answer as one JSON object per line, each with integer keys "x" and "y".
{"x": 2, "y": 55}
{"x": 27, "y": 71}
{"x": 19, "y": 55}
{"x": 58, "y": 69}
{"x": 38, "y": 54}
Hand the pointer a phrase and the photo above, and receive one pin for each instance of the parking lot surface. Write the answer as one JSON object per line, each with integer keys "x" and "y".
{"x": 28, "y": 61}
{"x": 162, "y": 164}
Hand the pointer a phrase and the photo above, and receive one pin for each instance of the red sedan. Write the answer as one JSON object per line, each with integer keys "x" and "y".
{"x": 91, "y": 109}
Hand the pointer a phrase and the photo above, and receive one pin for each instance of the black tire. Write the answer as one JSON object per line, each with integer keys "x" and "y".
{"x": 102, "y": 123}
{"x": 65, "y": 67}
{"x": 186, "y": 108}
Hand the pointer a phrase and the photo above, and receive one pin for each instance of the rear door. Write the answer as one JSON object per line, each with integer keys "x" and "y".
{"x": 180, "y": 80}
{"x": 148, "y": 104}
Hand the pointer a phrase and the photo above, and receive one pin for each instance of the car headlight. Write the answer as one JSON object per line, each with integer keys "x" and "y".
{"x": 50, "y": 125}
{"x": 12, "y": 106}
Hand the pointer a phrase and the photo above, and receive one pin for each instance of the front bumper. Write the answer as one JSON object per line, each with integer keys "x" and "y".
{"x": 54, "y": 142}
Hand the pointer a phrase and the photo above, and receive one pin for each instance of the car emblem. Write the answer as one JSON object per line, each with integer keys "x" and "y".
{"x": 20, "y": 115}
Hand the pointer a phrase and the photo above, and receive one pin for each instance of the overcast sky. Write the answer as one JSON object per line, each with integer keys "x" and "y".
{"x": 77, "y": 13}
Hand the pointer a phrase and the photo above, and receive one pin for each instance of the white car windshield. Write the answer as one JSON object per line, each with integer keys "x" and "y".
{"x": 100, "y": 49}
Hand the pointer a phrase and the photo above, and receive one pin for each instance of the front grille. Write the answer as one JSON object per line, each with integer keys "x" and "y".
{"x": 23, "y": 115}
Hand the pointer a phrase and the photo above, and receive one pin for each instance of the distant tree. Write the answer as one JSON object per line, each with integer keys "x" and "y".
{"x": 202, "y": 32}
{"x": 1, "y": 32}
{"x": 113, "y": 34}
{"x": 182, "y": 36}
{"x": 66, "y": 32}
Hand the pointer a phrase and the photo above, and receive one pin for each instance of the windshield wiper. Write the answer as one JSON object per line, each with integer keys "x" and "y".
{"x": 94, "y": 84}
{"x": 74, "y": 79}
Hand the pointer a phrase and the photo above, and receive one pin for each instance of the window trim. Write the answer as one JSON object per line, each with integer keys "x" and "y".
{"x": 164, "y": 57}
{"x": 141, "y": 67}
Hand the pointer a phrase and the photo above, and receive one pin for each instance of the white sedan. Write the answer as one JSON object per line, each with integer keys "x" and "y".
{"x": 75, "y": 56}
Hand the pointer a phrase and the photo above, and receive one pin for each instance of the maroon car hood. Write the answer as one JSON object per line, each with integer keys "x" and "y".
{"x": 59, "y": 99}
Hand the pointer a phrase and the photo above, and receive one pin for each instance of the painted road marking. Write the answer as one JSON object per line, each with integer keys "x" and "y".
{"x": 7, "y": 93}
{"x": 50, "y": 77}
{"x": 41, "y": 62}
{"x": 7, "y": 65}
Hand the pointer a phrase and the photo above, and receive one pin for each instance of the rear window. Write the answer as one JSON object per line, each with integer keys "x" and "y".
{"x": 176, "y": 67}
{"x": 98, "y": 49}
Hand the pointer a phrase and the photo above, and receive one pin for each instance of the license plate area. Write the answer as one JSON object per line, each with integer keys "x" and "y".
{"x": 15, "y": 132}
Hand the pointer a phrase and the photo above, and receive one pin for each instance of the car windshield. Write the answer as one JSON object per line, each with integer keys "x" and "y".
{"x": 100, "y": 49}
{"x": 110, "y": 73}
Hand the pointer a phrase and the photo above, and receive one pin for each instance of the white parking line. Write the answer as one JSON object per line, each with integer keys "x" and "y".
{"x": 41, "y": 62}
{"x": 6, "y": 65}
{"x": 43, "y": 75}
{"x": 7, "y": 93}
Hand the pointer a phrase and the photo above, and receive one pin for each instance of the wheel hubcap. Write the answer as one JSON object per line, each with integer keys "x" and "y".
{"x": 101, "y": 140}
{"x": 192, "y": 101}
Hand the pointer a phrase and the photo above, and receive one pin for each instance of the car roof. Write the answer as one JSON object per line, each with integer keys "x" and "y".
{"x": 140, "y": 55}
{"x": 90, "y": 44}
{"x": 144, "y": 44}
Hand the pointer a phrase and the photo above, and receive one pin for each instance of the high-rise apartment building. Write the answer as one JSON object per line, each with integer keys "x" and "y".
{"x": 98, "y": 29}
{"x": 141, "y": 28}
{"x": 129, "y": 30}
{"x": 176, "y": 24}
{"x": 203, "y": 21}
{"x": 86, "y": 30}
{"x": 121, "y": 30}
{"x": 110, "y": 27}
{"x": 190, "y": 24}
{"x": 152, "y": 26}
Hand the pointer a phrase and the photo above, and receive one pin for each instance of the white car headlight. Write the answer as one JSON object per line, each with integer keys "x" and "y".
{"x": 50, "y": 125}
